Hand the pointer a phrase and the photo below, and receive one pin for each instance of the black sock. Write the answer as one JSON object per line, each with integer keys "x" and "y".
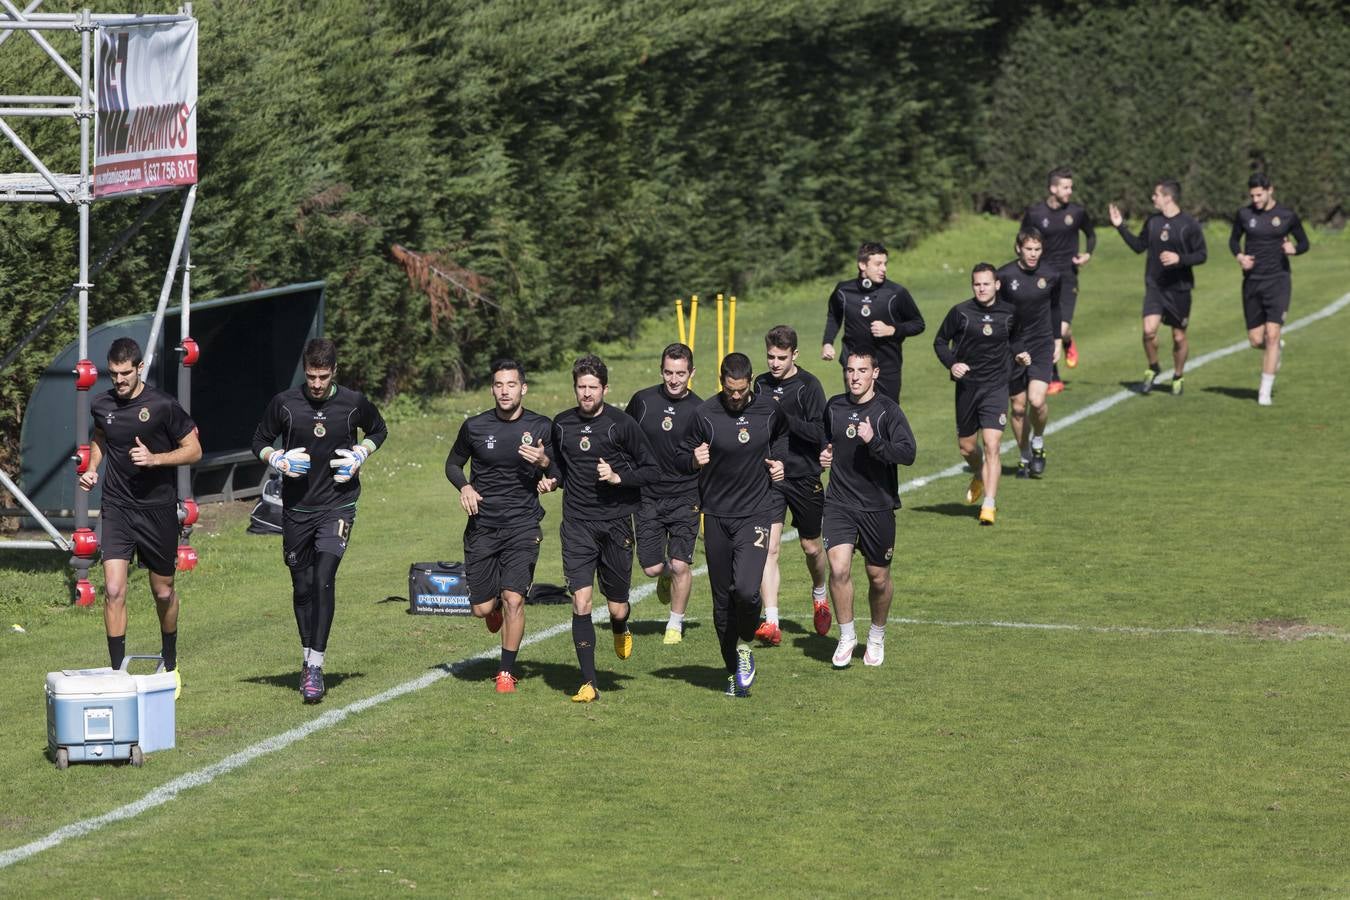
{"x": 1068, "y": 342}
{"x": 169, "y": 649}
{"x": 117, "y": 650}
{"x": 509, "y": 660}
{"x": 1155, "y": 367}
{"x": 1054, "y": 372}
{"x": 617, "y": 625}
{"x": 583, "y": 637}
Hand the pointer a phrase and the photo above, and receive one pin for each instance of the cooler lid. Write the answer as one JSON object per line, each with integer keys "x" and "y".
{"x": 159, "y": 681}
{"x": 83, "y": 682}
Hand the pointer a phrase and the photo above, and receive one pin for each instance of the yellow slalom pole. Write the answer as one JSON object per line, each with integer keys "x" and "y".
{"x": 693, "y": 325}
{"x": 731, "y": 333}
{"x": 721, "y": 351}
{"x": 679, "y": 318}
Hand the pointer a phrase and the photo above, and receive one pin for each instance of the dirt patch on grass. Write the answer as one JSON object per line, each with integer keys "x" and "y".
{"x": 1285, "y": 630}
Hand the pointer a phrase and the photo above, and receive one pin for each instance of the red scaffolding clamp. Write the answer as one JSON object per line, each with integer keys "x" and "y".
{"x": 188, "y": 512}
{"x": 81, "y": 459}
{"x": 84, "y": 593}
{"x": 84, "y": 542}
{"x": 86, "y": 373}
{"x": 190, "y": 350}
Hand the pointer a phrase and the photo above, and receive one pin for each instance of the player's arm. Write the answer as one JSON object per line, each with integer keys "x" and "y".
{"x": 345, "y": 463}
{"x": 560, "y": 458}
{"x": 1089, "y": 229}
{"x": 946, "y": 336}
{"x": 892, "y": 440}
{"x": 1138, "y": 243}
{"x": 96, "y": 445}
{"x": 639, "y": 466}
{"x": 1300, "y": 237}
{"x": 188, "y": 451}
{"x": 460, "y": 453}
{"x": 1195, "y": 252}
{"x": 1235, "y": 236}
{"x": 693, "y": 453}
{"x": 1057, "y": 310}
{"x": 293, "y": 461}
{"x": 834, "y": 319}
{"x": 905, "y": 313}
{"x": 808, "y": 426}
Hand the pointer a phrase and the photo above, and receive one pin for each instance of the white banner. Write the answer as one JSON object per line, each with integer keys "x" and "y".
{"x": 145, "y": 127}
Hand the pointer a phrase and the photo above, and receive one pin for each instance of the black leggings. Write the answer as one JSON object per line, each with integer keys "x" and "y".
{"x": 315, "y": 600}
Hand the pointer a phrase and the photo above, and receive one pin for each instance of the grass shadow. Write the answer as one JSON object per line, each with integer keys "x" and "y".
{"x": 656, "y": 626}
{"x": 714, "y": 678}
{"x": 815, "y": 647}
{"x": 1234, "y": 392}
{"x": 948, "y": 509}
{"x": 562, "y": 677}
{"x": 291, "y": 680}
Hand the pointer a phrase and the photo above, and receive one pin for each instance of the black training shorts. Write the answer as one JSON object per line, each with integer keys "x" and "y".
{"x": 872, "y": 532}
{"x": 598, "y": 545}
{"x": 151, "y": 532}
{"x": 667, "y": 528}
{"x": 500, "y": 559}
{"x": 806, "y": 498}
{"x": 305, "y": 533}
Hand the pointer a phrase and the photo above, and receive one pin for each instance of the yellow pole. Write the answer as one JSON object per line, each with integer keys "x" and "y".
{"x": 721, "y": 352}
{"x": 731, "y": 333}
{"x": 679, "y": 318}
{"x": 693, "y": 324}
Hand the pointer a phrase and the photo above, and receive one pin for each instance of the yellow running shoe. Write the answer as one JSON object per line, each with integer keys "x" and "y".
{"x": 623, "y": 645}
{"x": 587, "y": 694}
{"x": 673, "y": 636}
{"x": 177, "y": 684}
{"x": 975, "y": 492}
{"x": 987, "y": 515}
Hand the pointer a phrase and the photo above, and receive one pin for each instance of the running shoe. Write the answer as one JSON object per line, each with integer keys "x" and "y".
{"x": 1146, "y": 386}
{"x": 587, "y": 694}
{"x": 177, "y": 684}
{"x": 506, "y": 682}
{"x": 975, "y": 491}
{"x": 843, "y": 653}
{"x": 673, "y": 636}
{"x": 1023, "y": 469}
{"x": 1071, "y": 355}
{"x": 663, "y": 589}
{"x": 875, "y": 654}
{"x": 735, "y": 690}
{"x": 1178, "y": 385}
{"x": 311, "y": 688}
{"x": 1264, "y": 400}
{"x": 1038, "y": 462}
{"x": 745, "y": 668}
{"x": 987, "y": 514}
{"x": 822, "y": 616}
{"x": 770, "y": 633}
{"x": 1055, "y": 387}
{"x": 623, "y": 645}
{"x": 493, "y": 620}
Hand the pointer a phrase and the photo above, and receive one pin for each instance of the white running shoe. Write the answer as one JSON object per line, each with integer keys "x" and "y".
{"x": 875, "y": 654}
{"x": 843, "y": 653}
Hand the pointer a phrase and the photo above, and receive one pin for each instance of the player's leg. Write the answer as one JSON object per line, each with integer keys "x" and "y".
{"x": 1178, "y": 316}
{"x": 808, "y": 509}
{"x": 718, "y": 549}
{"x": 1040, "y": 417}
{"x": 681, "y": 534}
{"x": 750, "y": 546}
{"x": 967, "y": 439}
{"x": 483, "y": 550}
{"x": 1068, "y": 304}
{"x": 876, "y": 543}
{"x": 330, "y": 543}
{"x": 115, "y": 573}
{"x": 992, "y": 471}
{"x": 297, "y": 549}
{"x": 1151, "y": 321}
{"x": 769, "y": 630}
{"x": 580, "y": 558}
{"x": 616, "y": 574}
{"x": 157, "y": 547}
{"x": 841, "y": 592}
{"x": 517, "y": 560}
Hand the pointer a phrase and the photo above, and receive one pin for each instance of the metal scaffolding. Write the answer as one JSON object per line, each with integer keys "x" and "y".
{"x": 42, "y": 185}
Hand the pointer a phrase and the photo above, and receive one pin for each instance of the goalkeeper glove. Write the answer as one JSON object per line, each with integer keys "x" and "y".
{"x": 347, "y": 462}
{"x": 291, "y": 463}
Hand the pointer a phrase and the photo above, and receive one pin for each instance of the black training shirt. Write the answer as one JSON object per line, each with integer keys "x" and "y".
{"x": 802, "y": 400}
{"x": 161, "y": 424}
{"x": 1265, "y": 230}
{"x": 506, "y": 481}
{"x": 1059, "y": 232}
{"x": 856, "y": 305}
{"x": 983, "y": 337}
{"x": 1035, "y": 294}
{"x": 580, "y": 443}
{"x": 863, "y": 475}
{"x": 665, "y": 422}
{"x": 1182, "y": 235}
{"x": 322, "y": 427}
{"x": 736, "y": 482}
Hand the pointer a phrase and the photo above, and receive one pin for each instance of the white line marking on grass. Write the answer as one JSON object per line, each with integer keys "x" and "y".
{"x": 1106, "y": 629}
{"x": 202, "y": 777}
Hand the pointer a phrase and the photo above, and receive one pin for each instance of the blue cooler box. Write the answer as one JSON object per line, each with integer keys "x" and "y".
{"x": 97, "y": 715}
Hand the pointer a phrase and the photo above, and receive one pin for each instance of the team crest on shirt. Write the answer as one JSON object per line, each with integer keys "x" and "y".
{"x": 1165, "y": 236}
{"x": 1045, "y": 223}
{"x": 319, "y": 430}
{"x": 585, "y": 444}
{"x": 1068, "y": 218}
{"x": 851, "y": 431}
{"x": 1040, "y": 283}
{"x": 144, "y": 414}
{"x": 988, "y": 329}
{"x": 667, "y": 423}
{"x": 527, "y": 438}
{"x": 743, "y": 435}
{"x": 1275, "y": 221}
{"x": 866, "y": 311}
{"x": 1251, "y": 223}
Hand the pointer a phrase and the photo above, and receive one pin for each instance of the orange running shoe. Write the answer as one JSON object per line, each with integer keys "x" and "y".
{"x": 1071, "y": 355}
{"x": 770, "y": 633}
{"x": 822, "y": 617}
{"x": 1055, "y": 387}
{"x": 506, "y": 682}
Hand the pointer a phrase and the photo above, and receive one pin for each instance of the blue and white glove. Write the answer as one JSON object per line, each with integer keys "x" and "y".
{"x": 347, "y": 462}
{"x": 291, "y": 463}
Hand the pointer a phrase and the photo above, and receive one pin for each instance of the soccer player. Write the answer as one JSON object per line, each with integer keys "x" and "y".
{"x": 876, "y": 315}
{"x": 508, "y": 449}
{"x": 866, "y": 436}
{"x": 1273, "y": 234}
{"x": 1059, "y": 220}
{"x": 143, "y": 433}
{"x": 321, "y": 458}
{"x": 978, "y": 342}
{"x": 736, "y": 445}
{"x": 604, "y": 460}
{"x": 802, "y": 400}
{"x": 1033, "y": 289}
{"x": 667, "y": 522}
{"x": 1176, "y": 244}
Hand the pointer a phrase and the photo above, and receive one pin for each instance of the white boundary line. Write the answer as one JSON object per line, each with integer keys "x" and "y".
{"x": 163, "y": 794}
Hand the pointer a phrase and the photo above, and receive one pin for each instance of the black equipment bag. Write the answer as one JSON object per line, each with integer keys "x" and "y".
{"x": 438, "y": 589}
{"x": 266, "y": 515}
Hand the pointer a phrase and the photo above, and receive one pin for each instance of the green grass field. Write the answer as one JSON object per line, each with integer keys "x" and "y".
{"x": 1131, "y": 685}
